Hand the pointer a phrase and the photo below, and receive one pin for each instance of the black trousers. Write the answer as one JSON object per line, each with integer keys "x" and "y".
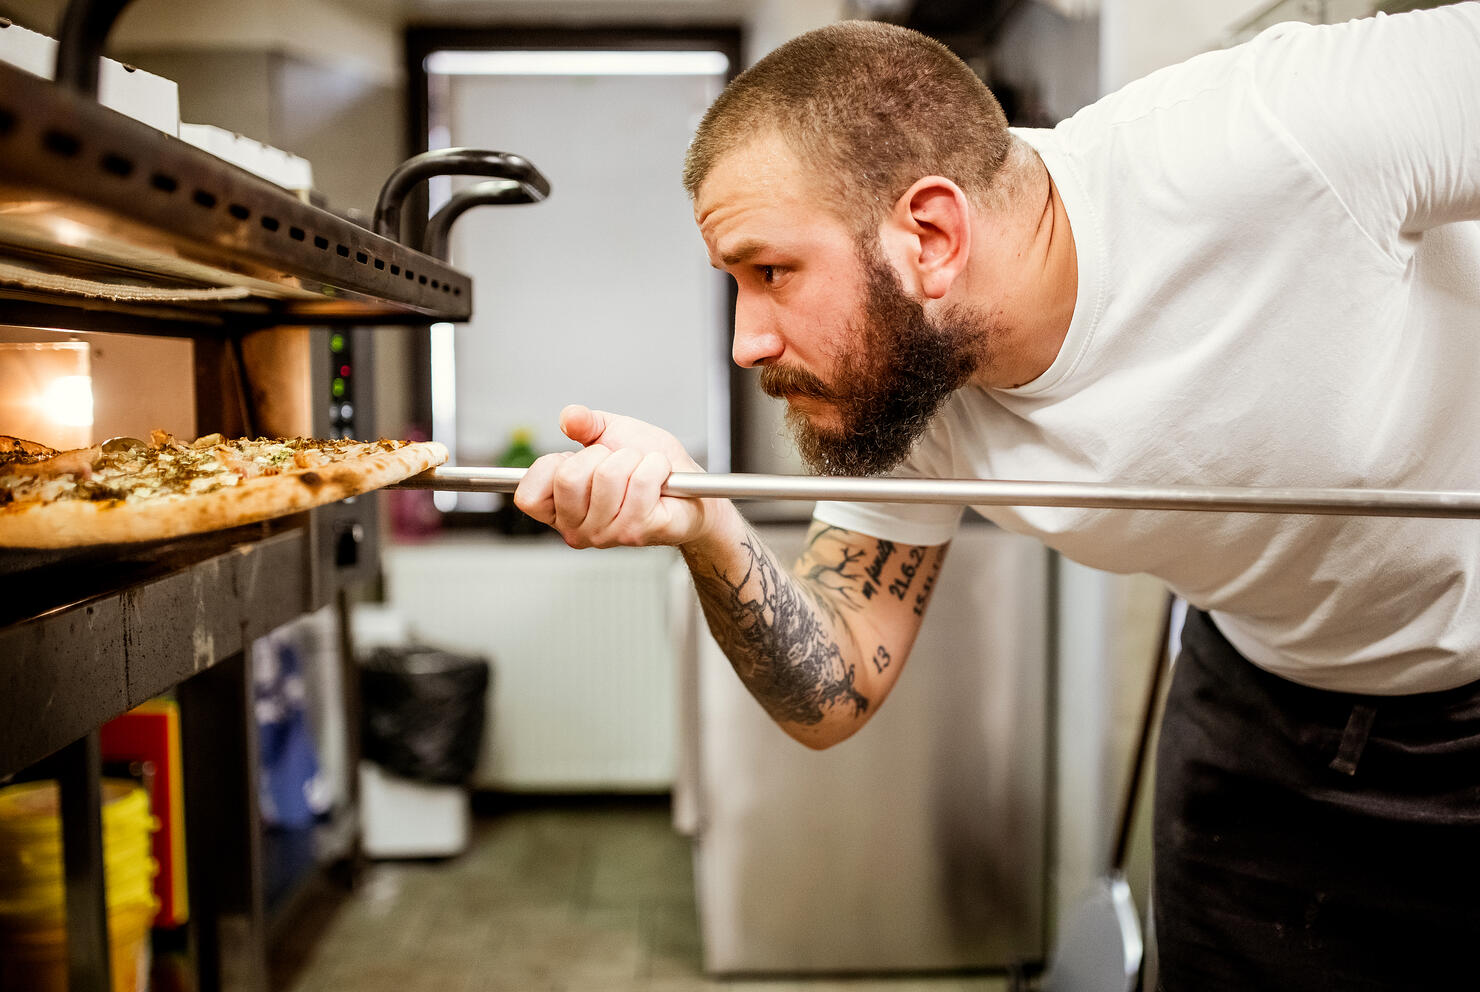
{"x": 1310, "y": 840}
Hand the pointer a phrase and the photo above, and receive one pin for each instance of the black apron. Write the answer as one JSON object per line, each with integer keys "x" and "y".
{"x": 1310, "y": 840}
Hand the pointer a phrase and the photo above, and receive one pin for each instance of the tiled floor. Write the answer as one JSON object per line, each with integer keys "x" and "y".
{"x": 584, "y": 898}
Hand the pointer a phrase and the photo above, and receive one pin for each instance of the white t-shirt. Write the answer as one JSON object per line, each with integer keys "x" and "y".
{"x": 1279, "y": 285}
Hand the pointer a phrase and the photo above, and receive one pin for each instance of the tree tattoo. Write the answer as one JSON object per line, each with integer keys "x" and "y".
{"x": 770, "y": 625}
{"x": 837, "y": 577}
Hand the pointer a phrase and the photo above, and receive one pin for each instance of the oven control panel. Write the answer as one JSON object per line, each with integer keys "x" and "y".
{"x": 343, "y": 378}
{"x": 346, "y": 532}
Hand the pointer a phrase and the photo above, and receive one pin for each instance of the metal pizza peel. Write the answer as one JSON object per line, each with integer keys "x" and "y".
{"x": 994, "y": 492}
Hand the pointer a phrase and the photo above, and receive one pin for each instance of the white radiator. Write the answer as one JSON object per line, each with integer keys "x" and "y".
{"x": 583, "y": 694}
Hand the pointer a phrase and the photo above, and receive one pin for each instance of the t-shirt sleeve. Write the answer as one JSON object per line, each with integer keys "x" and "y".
{"x": 903, "y": 523}
{"x": 1387, "y": 109}
{"x": 925, "y": 524}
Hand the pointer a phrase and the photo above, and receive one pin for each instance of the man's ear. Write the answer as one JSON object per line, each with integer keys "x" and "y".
{"x": 928, "y": 235}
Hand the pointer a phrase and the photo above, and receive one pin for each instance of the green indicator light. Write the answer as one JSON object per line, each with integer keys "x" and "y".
{"x": 336, "y": 343}
{"x": 338, "y": 388}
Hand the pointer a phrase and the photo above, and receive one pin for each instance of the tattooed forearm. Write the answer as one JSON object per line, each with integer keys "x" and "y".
{"x": 776, "y": 629}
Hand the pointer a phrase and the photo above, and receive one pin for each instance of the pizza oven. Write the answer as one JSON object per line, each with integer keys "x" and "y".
{"x": 156, "y": 283}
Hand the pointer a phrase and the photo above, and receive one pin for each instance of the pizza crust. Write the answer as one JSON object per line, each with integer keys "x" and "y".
{"x": 15, "y": 449}
{"x": 78, "y": 523}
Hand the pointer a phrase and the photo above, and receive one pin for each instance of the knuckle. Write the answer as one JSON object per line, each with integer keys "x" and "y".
{"x": 611, "y": 471}
{"x": 571, "y": 477}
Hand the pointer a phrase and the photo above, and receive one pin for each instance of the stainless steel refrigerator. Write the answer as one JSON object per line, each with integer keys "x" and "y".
{"x": 917, "y": 844}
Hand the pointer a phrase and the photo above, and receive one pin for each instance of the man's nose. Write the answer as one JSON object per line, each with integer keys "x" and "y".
{"x": 756, "y": 340}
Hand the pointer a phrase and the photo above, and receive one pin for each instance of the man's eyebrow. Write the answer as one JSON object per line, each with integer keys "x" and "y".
{"x": 743, "y": 252}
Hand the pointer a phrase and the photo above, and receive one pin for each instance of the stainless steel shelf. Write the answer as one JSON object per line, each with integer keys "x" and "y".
{"x": 101, "y": 213}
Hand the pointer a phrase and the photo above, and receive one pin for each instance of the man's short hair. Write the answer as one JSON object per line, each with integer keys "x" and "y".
{"x": 869, "y": 108}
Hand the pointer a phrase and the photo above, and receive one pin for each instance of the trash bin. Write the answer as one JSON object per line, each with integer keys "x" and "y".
{"x": 423, "y": 713}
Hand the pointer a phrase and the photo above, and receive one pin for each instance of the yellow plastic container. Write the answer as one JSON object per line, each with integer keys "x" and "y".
{"x": 36, "y": 959}
{"x": 33, "y": 938}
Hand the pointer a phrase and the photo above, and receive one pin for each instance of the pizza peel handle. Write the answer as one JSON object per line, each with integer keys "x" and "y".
{"x": 994, "y": 492}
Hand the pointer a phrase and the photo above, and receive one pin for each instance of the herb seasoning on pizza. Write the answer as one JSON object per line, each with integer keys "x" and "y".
{"x": 126, "y": 491}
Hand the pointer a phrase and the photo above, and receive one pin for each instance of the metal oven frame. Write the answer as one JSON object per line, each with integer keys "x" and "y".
{"x": 155, "y": 236}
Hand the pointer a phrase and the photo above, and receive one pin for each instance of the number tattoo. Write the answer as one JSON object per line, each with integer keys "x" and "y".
{"x": 907, "y": 569}
{"x": 929, "y": 584}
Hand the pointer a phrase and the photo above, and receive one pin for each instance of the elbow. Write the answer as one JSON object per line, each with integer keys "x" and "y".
{"x": 814, "y": 741}
{"x": 820, "y": 737}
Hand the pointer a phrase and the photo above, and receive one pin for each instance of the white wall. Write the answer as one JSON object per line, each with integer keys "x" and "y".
{"x": 343, "y": 35}
{"x": 770, "y": 23}
{"x": 364, "y": 36}
{"x": 1140, "y": 36}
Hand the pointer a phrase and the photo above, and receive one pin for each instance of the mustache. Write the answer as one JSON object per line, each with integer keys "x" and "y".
{"x": 781, "y": 381}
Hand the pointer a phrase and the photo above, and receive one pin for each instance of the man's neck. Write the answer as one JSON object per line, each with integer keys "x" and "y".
{"x": 1034, "y": 274}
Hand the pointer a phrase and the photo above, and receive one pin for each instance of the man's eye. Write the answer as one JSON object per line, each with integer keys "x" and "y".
{"x": 768, "y": 273}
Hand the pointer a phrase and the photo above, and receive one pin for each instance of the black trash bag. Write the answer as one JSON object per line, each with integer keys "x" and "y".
{"x": 423, "y": 712}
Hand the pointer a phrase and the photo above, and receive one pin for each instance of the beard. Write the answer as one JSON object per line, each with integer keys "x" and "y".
{"x": 888, "y": 388}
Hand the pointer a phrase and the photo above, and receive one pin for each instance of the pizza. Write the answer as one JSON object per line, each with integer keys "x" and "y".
{"x": 125, "y": 491}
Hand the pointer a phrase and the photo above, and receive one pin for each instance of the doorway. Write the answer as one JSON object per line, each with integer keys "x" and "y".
{"x": 602, "y": 294}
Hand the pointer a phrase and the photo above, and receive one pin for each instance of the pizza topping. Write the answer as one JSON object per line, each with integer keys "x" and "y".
{"x": 308, "y": 458}
{"x": 79, "y": 462}
{"x": 232, "y": 459}
{"x": 165, "y": 467}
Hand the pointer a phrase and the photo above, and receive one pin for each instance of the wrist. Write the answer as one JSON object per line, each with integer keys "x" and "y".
{"x": 721, "y": 526}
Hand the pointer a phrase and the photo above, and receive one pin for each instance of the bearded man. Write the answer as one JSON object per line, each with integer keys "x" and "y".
{"x": 1260, "y": 267}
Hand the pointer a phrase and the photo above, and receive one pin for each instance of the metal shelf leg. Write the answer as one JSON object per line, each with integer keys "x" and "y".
{"x": 79, "y": 768}
{"x": 223, "y": 840}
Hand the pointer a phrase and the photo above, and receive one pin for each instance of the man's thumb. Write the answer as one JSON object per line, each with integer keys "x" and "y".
{"x": 582, "y": 425}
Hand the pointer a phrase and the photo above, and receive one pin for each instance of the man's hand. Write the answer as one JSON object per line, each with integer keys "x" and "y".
{"x": 819, "y": 646}
{"x": 609, "y": 493}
